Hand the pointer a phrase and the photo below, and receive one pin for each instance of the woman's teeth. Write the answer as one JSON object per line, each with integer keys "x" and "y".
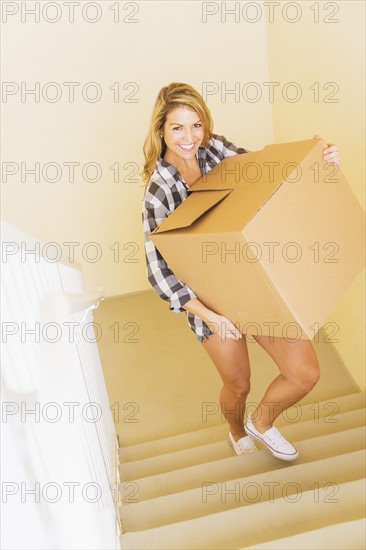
{"x": 187, "y": 147}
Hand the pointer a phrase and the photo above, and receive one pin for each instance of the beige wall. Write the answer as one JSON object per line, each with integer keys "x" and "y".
{"x": 323, "y": 52}
{"x": 168, "y": 42}
{"x": 152, "y": 44}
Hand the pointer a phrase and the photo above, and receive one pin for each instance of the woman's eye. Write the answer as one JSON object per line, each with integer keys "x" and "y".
{"x": 198, "y": 125}
{"x": 176, "y": 128}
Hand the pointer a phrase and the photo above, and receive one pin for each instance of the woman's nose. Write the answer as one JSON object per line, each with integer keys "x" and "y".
{"x": 188, "y": 135}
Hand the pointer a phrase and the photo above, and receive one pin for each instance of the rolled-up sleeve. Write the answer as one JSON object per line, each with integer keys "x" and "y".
{"x": 161, "y": 278}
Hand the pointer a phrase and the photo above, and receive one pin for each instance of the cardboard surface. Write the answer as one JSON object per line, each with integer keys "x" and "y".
{"x": 271, "y": 239}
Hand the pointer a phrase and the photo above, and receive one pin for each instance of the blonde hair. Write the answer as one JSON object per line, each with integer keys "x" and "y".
{"x": 176, "y": 94}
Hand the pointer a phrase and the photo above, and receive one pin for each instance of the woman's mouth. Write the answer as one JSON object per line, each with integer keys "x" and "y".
{"x": 188, "y": 147}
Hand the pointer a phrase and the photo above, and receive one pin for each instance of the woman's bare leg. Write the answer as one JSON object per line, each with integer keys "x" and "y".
{"x": 232, "y": 362}
{"x": 299, "y": 370}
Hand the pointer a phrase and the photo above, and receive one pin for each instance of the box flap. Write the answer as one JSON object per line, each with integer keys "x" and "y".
{"x": 287, "y": 156}
{"x": 191, "y": 209}
{"x": 228, "y": 173}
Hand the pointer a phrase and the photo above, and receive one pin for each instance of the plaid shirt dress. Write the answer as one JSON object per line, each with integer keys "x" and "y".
{"x": 165, "y": 191}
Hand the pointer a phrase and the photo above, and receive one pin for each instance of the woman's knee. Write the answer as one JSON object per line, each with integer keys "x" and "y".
{"x": 314, "y": 375}
{"x": 240, "y": 387}
{"x": 298, "y": 362}
{"x": 306, "y": 374}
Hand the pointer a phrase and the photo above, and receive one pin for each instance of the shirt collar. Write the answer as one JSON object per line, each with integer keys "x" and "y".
{"x": 170, "y": 174}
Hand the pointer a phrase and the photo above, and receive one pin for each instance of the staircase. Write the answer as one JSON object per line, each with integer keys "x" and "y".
{"x": 189, "y": 491}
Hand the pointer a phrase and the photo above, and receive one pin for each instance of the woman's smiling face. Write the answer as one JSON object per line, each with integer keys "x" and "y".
{"x": 183, "y": 132}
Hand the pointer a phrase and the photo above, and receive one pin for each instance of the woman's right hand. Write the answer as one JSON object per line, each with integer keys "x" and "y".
{"x": 224, "y": 328}
{"x": 218, "y": 324}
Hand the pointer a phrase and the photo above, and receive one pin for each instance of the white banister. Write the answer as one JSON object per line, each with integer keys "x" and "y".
{"x": 58, "y": 437}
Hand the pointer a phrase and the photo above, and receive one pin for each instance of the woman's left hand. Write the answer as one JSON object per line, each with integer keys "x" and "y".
{"x": 330, "y": 152}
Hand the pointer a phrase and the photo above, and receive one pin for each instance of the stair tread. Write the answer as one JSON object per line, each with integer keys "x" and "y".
{"x": 206, "y": 532}
{"x": 328, "y": 409}
{"x": 211, "y": 497}
{"x": 349, "y": 534}
{"x": 261, "y": 461}
{"x": 221, "y": 449}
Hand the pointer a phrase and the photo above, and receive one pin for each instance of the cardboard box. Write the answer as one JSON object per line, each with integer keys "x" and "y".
{"x": 270, "y": 239}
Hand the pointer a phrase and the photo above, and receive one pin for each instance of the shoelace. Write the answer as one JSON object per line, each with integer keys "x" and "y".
{"x": 248, "y": 444}
{"x": 279, "y": 437}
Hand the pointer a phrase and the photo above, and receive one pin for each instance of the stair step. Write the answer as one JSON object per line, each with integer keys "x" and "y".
{"x": 317, "y": 448}
{"x": 350, "y": 535}
{"x": 219, "y": 450}
{"x": 212, "y": 497}
{"x": 242, "y": 527}
{"x": 327, "y": 410}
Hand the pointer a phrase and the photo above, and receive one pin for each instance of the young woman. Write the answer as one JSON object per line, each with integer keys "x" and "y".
{"x": 180, "y": 148}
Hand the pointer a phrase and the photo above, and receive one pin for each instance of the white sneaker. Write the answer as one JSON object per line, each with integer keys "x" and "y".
{"x": 243, "y": 445}
{"x": 274, "y": 440}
